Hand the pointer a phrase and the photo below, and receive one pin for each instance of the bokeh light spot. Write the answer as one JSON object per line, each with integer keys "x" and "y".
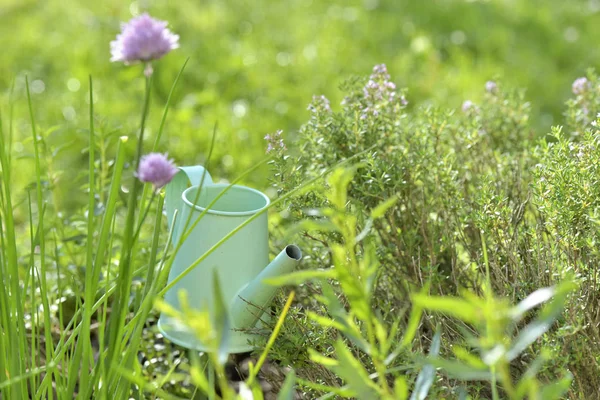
{"x": 38, "y": 86}
{"x": 69, "y": 113}
{"x": 283, "y": 59}
{"x": 240, "y": 108}
{"x": 73, "y": 84}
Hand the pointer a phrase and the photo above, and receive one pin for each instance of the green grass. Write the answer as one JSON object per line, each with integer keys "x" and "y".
{"x": 254, "y": 65}
{"x": 85, "y": 250}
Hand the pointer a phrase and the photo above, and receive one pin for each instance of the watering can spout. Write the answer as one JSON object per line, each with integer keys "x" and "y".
{"x": 252, "y": 299}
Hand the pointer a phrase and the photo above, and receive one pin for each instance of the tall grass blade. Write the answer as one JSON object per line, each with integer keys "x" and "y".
{"x": 121, "y": 300}
{"x": 80, "y": 363}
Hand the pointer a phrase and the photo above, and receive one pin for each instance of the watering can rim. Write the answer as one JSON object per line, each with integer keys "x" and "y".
{"x": 226, "y": 213}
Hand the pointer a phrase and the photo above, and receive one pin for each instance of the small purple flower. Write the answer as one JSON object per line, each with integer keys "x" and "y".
{"x": 580, "y": 85}
{"x": 467, "y": 106}
{"x": 157, "y": 169}
{"x": 275, "y": 142}
{"x": 380, "y": 71}
{"x": 491, "y": 87}
{"x": 379, "y": 94}
{"x": 319, "y": 103}
{"x": 371, "y": 85}
{"x": 143, "y": 39}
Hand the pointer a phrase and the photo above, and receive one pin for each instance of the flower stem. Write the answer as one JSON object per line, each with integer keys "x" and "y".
{"x": 144, "y": 215}
{"x": 140, "y": 145}
{"x": 121, "y": 301}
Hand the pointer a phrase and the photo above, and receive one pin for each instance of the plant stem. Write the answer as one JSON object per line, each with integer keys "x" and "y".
{"x": 41, "y": 238}
{"x": 144, "y": 215}
{"x": 489, "y": 299}
{"x": 162, "y": 125}
{"x": 120, "y": 304}
{"x": 272, "y": 338}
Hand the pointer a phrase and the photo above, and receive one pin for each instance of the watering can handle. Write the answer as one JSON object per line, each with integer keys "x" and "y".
{"x": 175, "y": 188}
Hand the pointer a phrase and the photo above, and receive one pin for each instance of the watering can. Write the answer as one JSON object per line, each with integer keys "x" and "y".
{"x": 241, "y": 261}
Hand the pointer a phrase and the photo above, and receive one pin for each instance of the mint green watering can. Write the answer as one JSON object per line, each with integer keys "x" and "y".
{"x": 241, "y": 262}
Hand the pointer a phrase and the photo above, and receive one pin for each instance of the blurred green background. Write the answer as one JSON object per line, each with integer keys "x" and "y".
{"x": 255, "y": 64}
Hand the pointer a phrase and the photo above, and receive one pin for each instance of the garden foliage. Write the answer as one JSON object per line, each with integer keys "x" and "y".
{"x": 451, "y": 252}
{"x": 478, "y": 208}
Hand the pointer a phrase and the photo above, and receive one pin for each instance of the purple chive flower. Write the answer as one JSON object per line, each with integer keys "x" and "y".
{"x": 491, "y": 87}
{"x": 143, "y": 39}
{"x": 157, "y": 169}
{"x": 580, "y": 85}
{"x": 275, "y": 142}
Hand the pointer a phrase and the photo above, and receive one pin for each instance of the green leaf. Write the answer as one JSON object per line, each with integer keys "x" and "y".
{"x": 296, "y": 278}
{"x": 463, "y": 354}
{"x": 220, "y": 319}
{"x": 352, "y": 333}
{"x": 427, "y": 374}
{"x": 556, "y": 390}
{"x": 255, "y": 394}
{"x": 329, "y": 298}
{"x": 528, "y": 379}
{"x": 459, "y": 370}
{"x": 352, "y": 286}
{"x": 537, "y": 364}
{"x": 198, "y": 373}
{"x": 392, "y": 331}
{"x": 287, "y": 390}
{"x": 321, "y": 359}
{"x": 324, "y": 321}
{"x": 400, "y": 388}
{"x": 369, "y": 266}
{"x": 534, "y": 299}
{"x": 453, "y": 306}
{"x": 527, "y": 336}
{"x": 344, "y": 323}
{"x": 411, "y": 329}
{"x": 339, "y": 180}
{"x": 353, "y": 373}
{"x": 382, "y": 208}
{"x": 542, "y": 323}
{"x": 331, "y": 391}
{"x": 413, "y": 325}
{"x": 365, "y": 231}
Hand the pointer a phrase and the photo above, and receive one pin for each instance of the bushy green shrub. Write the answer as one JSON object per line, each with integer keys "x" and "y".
{"x": 442, "y": 165}
{"x": 565, "y": 191}
{"x": 467, "y": 189}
